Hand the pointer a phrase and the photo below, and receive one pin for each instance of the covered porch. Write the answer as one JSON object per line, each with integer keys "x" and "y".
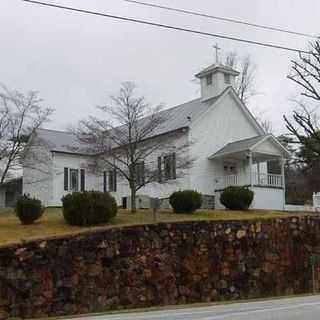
{"x": 257, "y": 176}
{"x": 256, "y": 162}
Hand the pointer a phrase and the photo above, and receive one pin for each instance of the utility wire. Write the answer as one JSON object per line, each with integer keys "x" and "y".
{"x": 166, "y": 26}
{"x": 201, "y": 14}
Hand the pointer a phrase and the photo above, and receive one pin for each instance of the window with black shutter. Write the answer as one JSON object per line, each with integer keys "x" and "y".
{"x": 66, "y": 179}
{"x": 82, "y": 180}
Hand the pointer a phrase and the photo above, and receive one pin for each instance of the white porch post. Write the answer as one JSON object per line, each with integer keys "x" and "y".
{"x": 283, "y": 181}
{"x": 258, "y": 171}
{"x": 250, "y": 168}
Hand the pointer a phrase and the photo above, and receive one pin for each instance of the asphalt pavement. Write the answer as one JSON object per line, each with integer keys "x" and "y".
{"x": 302, "y": 308}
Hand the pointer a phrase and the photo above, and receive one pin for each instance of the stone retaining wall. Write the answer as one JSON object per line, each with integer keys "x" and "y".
{"x": 159, "y": 264}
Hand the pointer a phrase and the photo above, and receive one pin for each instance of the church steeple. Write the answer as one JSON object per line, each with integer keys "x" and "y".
{"x": 216, "y": 78}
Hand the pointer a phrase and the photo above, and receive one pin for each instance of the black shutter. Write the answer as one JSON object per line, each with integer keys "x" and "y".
{"x": 104, "y": 181}
{"x": 110, "y": 180}
{"x": 142, "y": 173}
{"x": 82, "y": 180}
{"x": 159, "y": 170}
{"x": 66, "y": 180}
{"x": 174, "y": 173}
{"x": 115, "y": 180}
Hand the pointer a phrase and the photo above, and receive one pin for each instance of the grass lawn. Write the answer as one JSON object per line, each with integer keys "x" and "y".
{"x": 52, "y": 223}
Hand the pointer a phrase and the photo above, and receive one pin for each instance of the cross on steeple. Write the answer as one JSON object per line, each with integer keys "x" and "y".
{"x": 216, "y": 47}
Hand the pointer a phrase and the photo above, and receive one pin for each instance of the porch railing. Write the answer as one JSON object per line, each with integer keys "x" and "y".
{"x": 262, "y": 179}
{"x": 231, "y": 180}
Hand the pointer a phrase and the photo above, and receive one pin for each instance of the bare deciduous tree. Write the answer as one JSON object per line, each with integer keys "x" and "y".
{"x": 244, "y": 84}
{"x": 306, "y": 72}
{"x": 124, "y": 140}
{"x": 265, "y": 124}
{"x": 304, "y": 125}
{"x": 20, "y": 116}
{"x": 304, "y": 128}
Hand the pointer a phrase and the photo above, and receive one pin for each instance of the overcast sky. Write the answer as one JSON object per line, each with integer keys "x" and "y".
{"x": 76, "y": 61}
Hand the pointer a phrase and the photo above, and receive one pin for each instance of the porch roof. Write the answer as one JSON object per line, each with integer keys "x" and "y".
{"x": 254, "y": 144}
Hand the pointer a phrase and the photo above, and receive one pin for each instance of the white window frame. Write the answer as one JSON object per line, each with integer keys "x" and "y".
{"x": 76, "y": 171}
{"x": 140, "y": 173}
{"x": 112, "y": 184}
{"x": 173, "y": 170}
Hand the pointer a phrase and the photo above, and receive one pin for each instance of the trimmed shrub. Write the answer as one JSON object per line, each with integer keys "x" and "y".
{"x": 186, "y": 201}
{"x": 88, "y": 208}
{"x": 237, "y": 198}
{"x": 28, "y": 209}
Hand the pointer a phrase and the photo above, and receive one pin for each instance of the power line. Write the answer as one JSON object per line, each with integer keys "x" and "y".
{"x": 166, "y": 26}
{"x": 200, "y": 14}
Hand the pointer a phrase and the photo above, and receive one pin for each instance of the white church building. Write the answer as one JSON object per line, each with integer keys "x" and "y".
{"x": 229, "y": 147}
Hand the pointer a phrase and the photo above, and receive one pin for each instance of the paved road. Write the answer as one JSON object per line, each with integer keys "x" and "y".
{"x": 302, "y": 308}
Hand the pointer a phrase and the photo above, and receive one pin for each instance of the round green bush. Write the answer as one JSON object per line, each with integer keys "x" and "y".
{"x": 28, "y": 209}
{"x": 237, "y": 198}
{"x": 88, "y": 208}
{"x": 186, "y": 201}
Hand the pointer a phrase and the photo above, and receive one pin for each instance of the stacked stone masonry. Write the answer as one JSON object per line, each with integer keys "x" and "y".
{"x": 161, "y": 264}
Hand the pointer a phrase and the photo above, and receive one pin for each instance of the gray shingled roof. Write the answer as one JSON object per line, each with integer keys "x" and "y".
{"x": 176, "y": 118}
{"x": 59, "y": 141}
{"x": 238, "y": 146}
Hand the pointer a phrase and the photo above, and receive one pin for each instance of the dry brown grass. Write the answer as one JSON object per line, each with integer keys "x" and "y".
{"x": 52, "y": 223}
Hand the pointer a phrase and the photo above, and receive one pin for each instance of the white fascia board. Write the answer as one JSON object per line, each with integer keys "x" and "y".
{"x": 275, "y": 141}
